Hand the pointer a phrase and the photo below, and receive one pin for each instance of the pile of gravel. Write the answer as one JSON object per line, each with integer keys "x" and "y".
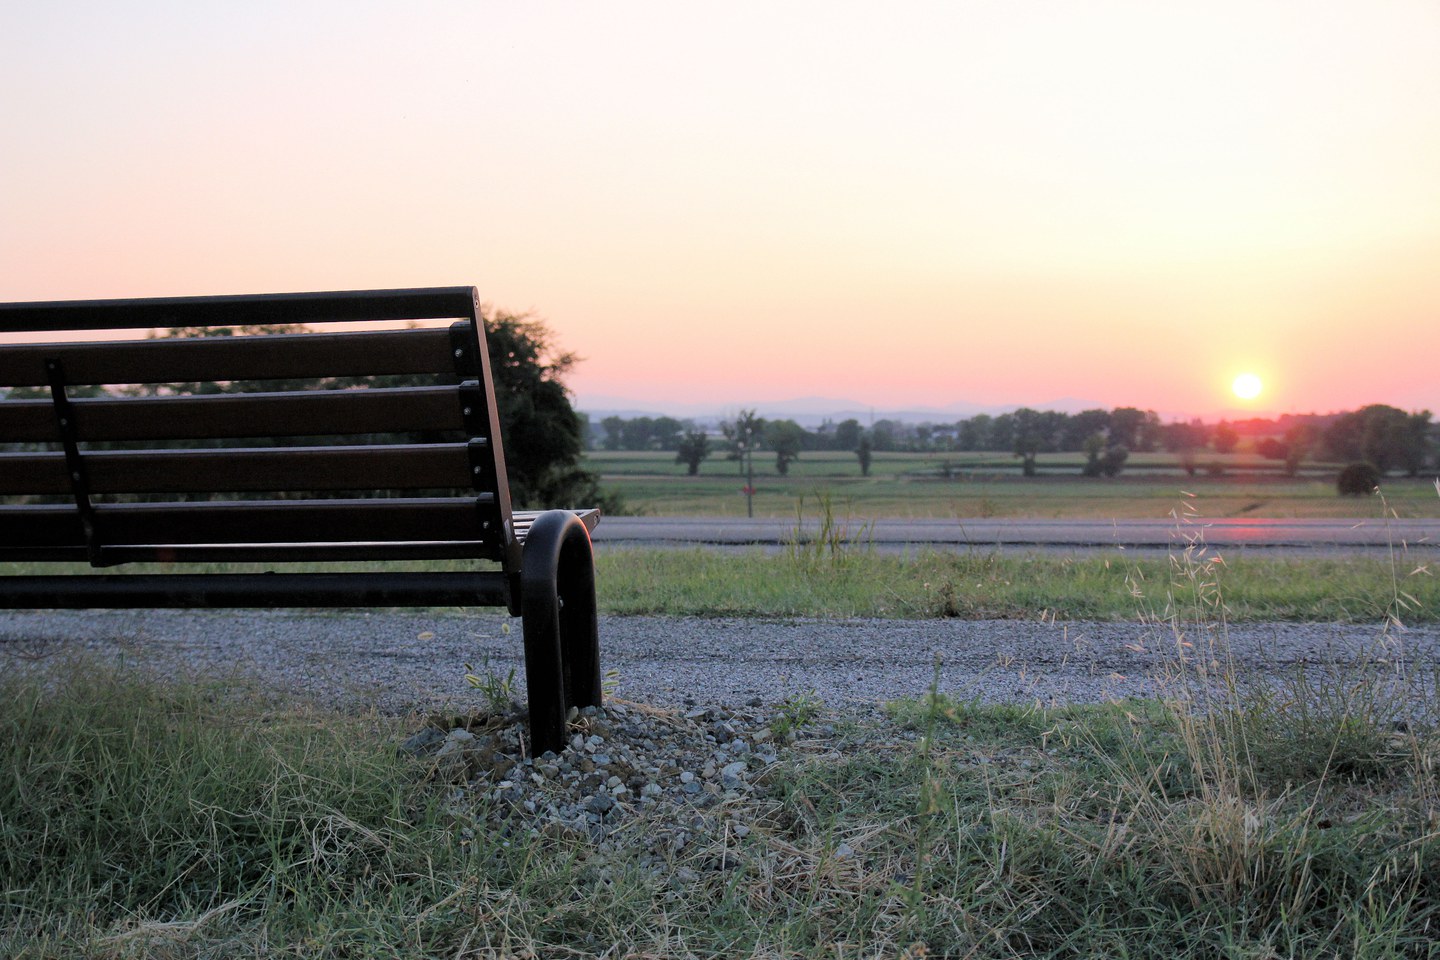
{"x": 688, "y": 785}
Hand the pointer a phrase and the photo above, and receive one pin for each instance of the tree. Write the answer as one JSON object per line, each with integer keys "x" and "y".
{"x": 1052, "y": 428}
{"x": 1094, "y": 447}
{"x": 1082, "y": 426}
{"x": 1134, "y": 429}
{"x": 847, "y": 434}
{"x": 1183, "y": 437}
{"x": 883, "y": 434}
{"x": 1273, "y": 449}
{"x": 1224, "y": 438}
{"x": 587, "y": 430}
{"x": 542, "y": 434}
{"x": 636, "y": 433}
{"x": 1300, "y": 439}
{"x": 694, "y": 448}
{"x": 1002, "y": 433}
{"x": 1358, "y": 479}
{"x": 744, "y": 434}
{"x": 1389, "y": 438}
{"x": 1030, "y": 438}
{"x": 786, "y": 438}
{"x": 1101, "y": 460}
{"x": 1125, "y": 425}
{"x": 974, "y": 433}
{"x": 614, "y": 432}
{"x": 665, "y": 432}
{"x": 1152, "y": 431}
{"x": 864, "y": 449}
{"x": 1114, "y": 460}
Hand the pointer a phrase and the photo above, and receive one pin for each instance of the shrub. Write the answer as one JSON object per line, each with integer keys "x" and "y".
{"x": 1114, "y": 460}
{"x": 1358, "y": 479}
{"x": 1273, "y": 449}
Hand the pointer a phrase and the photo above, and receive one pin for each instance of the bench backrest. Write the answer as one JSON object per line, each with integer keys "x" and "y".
{"x": 294, "y": 461}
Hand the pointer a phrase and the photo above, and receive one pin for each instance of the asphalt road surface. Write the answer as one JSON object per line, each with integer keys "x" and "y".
{"x": 1260, "y": 534}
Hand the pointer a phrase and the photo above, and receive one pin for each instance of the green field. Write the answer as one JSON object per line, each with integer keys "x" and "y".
{"x": 985, "y": 584}
{"x": 990, "y": 485}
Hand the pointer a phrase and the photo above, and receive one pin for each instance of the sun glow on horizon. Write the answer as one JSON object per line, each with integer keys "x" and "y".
{"x": 1005, "y": 198}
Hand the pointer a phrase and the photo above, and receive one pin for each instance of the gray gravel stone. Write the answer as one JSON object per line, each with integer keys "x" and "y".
{"x": 671, "y": 811}
{"x": 402, "y": 660}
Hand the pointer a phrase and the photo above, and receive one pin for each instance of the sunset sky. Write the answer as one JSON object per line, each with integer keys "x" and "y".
{"x": 898, "y": 204}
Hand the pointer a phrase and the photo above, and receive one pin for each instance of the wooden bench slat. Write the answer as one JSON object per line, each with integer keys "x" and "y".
{"x": 196, "y": 359}
{"x": 292, "y": 553}
{"x": 28, "y": 421}
{"x": 310, "y": 413}
{"x": 397, "y": 466}
{"x": 351, "y": 306}
{"x": 261, "y": 553}
{"x": 440, "y": 520}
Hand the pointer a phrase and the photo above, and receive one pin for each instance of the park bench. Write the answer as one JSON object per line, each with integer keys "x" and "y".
{"x": 302, "y": 452}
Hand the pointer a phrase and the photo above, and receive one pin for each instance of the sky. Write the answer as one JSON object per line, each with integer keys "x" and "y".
{"x": 901, "y": 204}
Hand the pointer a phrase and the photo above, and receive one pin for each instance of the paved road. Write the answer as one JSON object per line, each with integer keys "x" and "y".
{"x": 1258, "y": 533}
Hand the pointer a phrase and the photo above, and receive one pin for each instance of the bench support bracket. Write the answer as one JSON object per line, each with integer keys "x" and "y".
{"x": 74, "y": 463}
{"x": 562, "y": 640}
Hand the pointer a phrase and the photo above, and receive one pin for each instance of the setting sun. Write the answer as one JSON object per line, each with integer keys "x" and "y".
{"x": 1247, "y": 386}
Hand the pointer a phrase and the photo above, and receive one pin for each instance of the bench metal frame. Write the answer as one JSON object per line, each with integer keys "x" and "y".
{"x": 338, "y": 486}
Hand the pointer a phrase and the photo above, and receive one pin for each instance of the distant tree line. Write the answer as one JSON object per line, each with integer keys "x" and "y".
{"x": 1387, "y": 437}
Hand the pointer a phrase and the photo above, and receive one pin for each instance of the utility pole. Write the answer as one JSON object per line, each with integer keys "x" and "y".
{"x": 745, "y": 440}
{"x": 749, "y": 480}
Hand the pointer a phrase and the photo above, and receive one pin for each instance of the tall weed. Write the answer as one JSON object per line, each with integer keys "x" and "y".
{"x": 828, "y": 537}
{"x": 1292, "y": 776}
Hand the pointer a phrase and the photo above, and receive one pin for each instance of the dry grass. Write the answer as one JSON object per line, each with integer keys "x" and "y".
{"x": 951, "y": 829}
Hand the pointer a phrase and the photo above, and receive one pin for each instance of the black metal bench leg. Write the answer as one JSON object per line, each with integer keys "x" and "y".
{"x": 562, "y": 639}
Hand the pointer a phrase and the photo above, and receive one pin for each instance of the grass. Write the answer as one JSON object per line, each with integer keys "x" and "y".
{"x": 147, "y": 819}
{"x": 138, "y": 817}
{"x": 827, "y": 570}
{"x": 1148, "y": 830}
{"x": 987, "y": 584}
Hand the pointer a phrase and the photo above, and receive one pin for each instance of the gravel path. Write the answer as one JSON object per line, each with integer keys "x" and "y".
{"x": 680, "y": 787}
{"x": 401, "y": 661}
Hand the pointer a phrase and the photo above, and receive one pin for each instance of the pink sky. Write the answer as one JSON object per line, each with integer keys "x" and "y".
{"x": 996, "y": 202}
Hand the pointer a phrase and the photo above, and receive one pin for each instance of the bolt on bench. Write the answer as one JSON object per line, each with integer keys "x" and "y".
{"x": 108, "y": 455}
